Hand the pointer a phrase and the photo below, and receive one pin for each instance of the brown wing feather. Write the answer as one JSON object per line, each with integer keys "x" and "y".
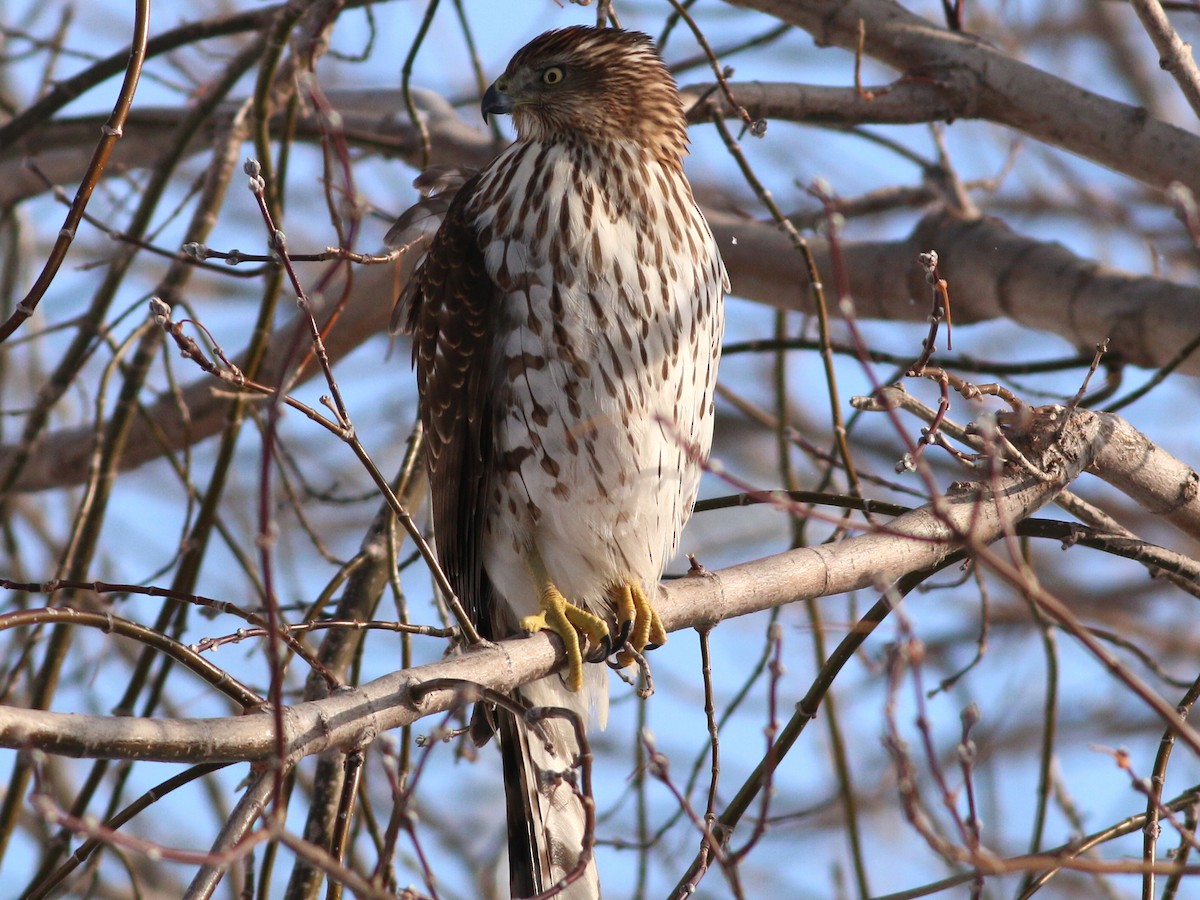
{"x": 450, "y": 308}
{"x": 450, "y": 314}
{"x": 418, "y": 224}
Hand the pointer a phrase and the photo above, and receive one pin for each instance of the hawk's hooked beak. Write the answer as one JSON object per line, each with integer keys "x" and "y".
{"x": 495, "y": 101}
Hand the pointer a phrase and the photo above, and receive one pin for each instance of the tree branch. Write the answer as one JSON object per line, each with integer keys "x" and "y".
{"x": 972, "y": 514}
{"x": 995, "y": 273}
{"x": 984, "y": 82}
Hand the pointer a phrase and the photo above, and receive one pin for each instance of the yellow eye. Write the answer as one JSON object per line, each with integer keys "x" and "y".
{"x": 552, "y": 75}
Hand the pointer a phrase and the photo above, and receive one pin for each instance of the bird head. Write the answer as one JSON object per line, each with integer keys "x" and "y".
{"x": 591, "y": 84}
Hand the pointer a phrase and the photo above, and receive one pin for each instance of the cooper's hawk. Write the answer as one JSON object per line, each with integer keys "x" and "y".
{"x": 567, "y": 324}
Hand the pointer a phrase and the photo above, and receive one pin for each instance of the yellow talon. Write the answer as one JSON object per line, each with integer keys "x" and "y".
{"x": 658, "y": 634}
{"x": 633, "y": 605}
{"x": 568, "y": 622}
{"x": 622, "y": 595}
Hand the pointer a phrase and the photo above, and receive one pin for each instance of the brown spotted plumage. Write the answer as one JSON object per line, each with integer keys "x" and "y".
{"x": 566, "y": 323}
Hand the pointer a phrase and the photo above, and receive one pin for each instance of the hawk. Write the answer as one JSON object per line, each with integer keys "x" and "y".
{"x": 566, "y": 323}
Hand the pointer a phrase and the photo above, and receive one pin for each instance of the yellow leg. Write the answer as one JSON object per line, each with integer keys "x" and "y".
{"x": 568, "y": 622}
{"x": 634, "y": 606}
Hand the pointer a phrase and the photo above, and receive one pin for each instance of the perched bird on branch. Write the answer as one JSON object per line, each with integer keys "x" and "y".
{"x": 567, "y": 322}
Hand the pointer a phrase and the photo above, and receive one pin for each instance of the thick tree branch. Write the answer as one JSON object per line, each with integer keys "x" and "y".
{"x": 906, "y": 103}
{"x": 984, "y": 82}
{"x": 941, "y": 87}
{"x": 371, "y": 119}
{"x": 1154, "y": 479}
{"x": 1174, "y": 54}
{"x": 993, "y": 273}
{"x": 1063, "y": 445}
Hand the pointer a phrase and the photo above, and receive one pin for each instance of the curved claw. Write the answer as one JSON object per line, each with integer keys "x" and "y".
{"x": 640, "y": 627}
{"x": 626, "y": 611}
{"x": 626, "y": 628}
{"x": 601, "y": 651}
